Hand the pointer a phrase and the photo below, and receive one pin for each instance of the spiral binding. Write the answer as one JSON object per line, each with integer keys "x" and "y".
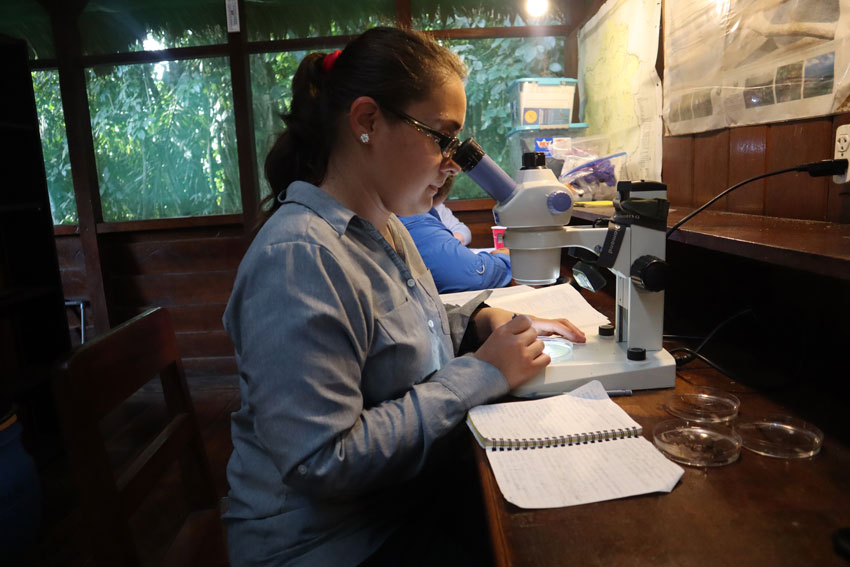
{"x": 502, "y": 444}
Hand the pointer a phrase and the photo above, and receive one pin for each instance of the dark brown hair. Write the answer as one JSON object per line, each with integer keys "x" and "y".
{"x": 396, "y": 67}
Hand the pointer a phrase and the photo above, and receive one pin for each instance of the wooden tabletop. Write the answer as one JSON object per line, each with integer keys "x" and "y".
{"x": 756, "y": 511}
{"x": 814, "y": 246}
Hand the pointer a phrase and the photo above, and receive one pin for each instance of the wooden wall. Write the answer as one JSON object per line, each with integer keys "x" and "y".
{"x": 190, "y": 271}
{"x": 698, "y": 167}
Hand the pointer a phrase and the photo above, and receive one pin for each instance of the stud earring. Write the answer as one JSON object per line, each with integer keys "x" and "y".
{"x": 364, "y": 137}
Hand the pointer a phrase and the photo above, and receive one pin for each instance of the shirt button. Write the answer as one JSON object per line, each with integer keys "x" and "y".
{"x": 431, "y": 323}
{"x": 411, "y": 282}
{"x": 302, "y": 469}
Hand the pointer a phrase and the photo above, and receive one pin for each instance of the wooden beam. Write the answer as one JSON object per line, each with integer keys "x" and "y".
{"x": 72, "y": 85}
{"x": 240, "y": 78}
{"x": 402, "y": 13}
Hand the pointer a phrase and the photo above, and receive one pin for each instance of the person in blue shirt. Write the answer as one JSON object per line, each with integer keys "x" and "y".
{"x": 458, "y": 229}
{"x": 453, "y": 266}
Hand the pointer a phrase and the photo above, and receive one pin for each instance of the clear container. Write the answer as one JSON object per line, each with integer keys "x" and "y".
{"x": 697, "y": 444}
{"x": 780, "y": 436}
{"x": 558, "y": 349}
{"x": 705, "y": 405}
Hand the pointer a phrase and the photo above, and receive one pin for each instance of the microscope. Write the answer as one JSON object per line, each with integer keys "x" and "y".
{"x": 535, "y": 209}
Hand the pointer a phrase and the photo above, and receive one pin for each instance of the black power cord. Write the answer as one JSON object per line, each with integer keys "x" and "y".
{"x": 815, "y": 169}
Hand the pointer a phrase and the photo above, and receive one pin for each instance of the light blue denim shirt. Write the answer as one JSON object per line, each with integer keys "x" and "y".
{"x": 348, "y": 376}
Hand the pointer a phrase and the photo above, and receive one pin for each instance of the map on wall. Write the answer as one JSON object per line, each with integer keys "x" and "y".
{"x": 737, "y": 62}
{"x": 619, "y": 87}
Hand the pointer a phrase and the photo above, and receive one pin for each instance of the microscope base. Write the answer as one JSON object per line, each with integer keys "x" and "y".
{"x": 604, "y": 360}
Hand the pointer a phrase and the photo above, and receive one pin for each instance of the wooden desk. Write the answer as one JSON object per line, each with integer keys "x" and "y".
{"x": 756, "y": 511}
{"x": 814, "y": 246}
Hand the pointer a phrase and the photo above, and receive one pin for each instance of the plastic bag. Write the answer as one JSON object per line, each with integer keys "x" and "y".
{"x": 593, "y": 178}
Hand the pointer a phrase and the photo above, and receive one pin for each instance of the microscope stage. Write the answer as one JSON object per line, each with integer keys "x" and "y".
{"x": 602, "y": 359}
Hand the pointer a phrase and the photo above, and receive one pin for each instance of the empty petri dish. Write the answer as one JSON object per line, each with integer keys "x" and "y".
{"x": 780, "y": 436}
{"x": 697, "y": 444}
{"x": 558, "y": 349}
{"x": 706, "y": 405}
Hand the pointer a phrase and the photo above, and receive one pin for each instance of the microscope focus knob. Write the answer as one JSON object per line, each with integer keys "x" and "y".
{"x": 650, "y": 273}
{"x": 559, "y": 202}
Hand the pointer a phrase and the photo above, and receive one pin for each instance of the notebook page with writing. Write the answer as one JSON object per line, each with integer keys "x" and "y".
{"x": 569, "y": 417}
{"x": 580, "y": 474}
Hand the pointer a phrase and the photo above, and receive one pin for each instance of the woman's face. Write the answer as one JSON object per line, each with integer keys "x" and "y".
{"x": 415, "y": 165}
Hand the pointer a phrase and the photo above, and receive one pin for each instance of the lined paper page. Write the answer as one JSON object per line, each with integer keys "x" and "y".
{"x": 587, "y": 409}
{"x": 580, "y": 474}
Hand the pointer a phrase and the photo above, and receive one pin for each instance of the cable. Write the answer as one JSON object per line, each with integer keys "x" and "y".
{"x": 815, "y": 169}
{"x": 682, "y": 360}
{"x": 721, "y": 325}
{"x": 691, "y": 354}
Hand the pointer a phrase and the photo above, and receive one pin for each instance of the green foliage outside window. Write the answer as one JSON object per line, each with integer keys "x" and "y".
{"x": 54, "y": 144}
{"x": 165, "y": 139}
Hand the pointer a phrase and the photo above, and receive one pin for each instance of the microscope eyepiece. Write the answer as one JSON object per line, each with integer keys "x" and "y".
{"x": 484, "y": 171}
{"x": 468, "y": 154}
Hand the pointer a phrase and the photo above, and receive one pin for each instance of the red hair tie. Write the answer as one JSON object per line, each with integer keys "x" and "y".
{"x": 329, "y": 60}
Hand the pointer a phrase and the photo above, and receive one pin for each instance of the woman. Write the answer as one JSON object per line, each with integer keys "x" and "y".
{"x": 346, "y": 356}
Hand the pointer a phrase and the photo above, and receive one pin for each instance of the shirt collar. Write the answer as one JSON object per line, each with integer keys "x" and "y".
{"x": 315, "y": 199}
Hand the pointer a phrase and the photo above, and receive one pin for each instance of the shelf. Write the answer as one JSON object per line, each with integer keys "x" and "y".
{"x": 812, "y": 246}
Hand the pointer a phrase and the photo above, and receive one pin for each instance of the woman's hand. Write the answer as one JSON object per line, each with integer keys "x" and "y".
{"x": 491, "y": 318}
{"x": 514, "y": 349}
{"x": 558, "y": 327}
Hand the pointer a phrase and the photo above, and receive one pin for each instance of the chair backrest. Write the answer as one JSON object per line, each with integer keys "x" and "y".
{"x": 94, "y": 380}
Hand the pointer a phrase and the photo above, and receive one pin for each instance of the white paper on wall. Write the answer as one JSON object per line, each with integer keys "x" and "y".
{"x": 737, "y": 62}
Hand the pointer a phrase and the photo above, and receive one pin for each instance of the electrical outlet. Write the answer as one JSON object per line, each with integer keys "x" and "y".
{"x": 842, "y": 149}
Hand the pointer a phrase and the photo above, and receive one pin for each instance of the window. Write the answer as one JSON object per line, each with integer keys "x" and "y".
{"x": 54, "y": 146}
{"x": 165, "y": 139}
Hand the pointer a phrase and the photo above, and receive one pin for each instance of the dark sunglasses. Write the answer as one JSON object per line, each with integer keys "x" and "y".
{"x": 448, "y": 144}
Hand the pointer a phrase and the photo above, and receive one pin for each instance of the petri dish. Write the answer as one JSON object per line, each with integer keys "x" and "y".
{"x": 697, "y": 444}
{"x": 780, "y": 436}
{"x": 706, "y": 405}
{"x": 558, "y": 348}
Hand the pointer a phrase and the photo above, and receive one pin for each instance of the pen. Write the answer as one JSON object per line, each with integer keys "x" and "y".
{"x": 616, "y": 393}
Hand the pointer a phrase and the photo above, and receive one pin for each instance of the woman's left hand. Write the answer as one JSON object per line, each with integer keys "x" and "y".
{"x": 491, "y": 318}
{"x": 561, "y": 327}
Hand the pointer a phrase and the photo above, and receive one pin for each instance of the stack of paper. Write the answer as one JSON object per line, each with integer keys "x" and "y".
{"x": 551, "y": 302}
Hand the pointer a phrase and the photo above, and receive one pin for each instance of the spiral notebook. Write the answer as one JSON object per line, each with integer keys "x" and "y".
{"x": 571, "y": 449}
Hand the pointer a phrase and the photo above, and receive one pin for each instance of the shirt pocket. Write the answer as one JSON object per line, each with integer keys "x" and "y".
{"x": 402, "y": 354}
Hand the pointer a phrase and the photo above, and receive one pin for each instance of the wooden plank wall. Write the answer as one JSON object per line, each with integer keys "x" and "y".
{"x": 189, "y": 271}
{"x": 698, "y": 167}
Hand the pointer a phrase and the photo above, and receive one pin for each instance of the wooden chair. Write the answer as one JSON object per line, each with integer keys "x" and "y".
{"x": 97, "y": 378}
